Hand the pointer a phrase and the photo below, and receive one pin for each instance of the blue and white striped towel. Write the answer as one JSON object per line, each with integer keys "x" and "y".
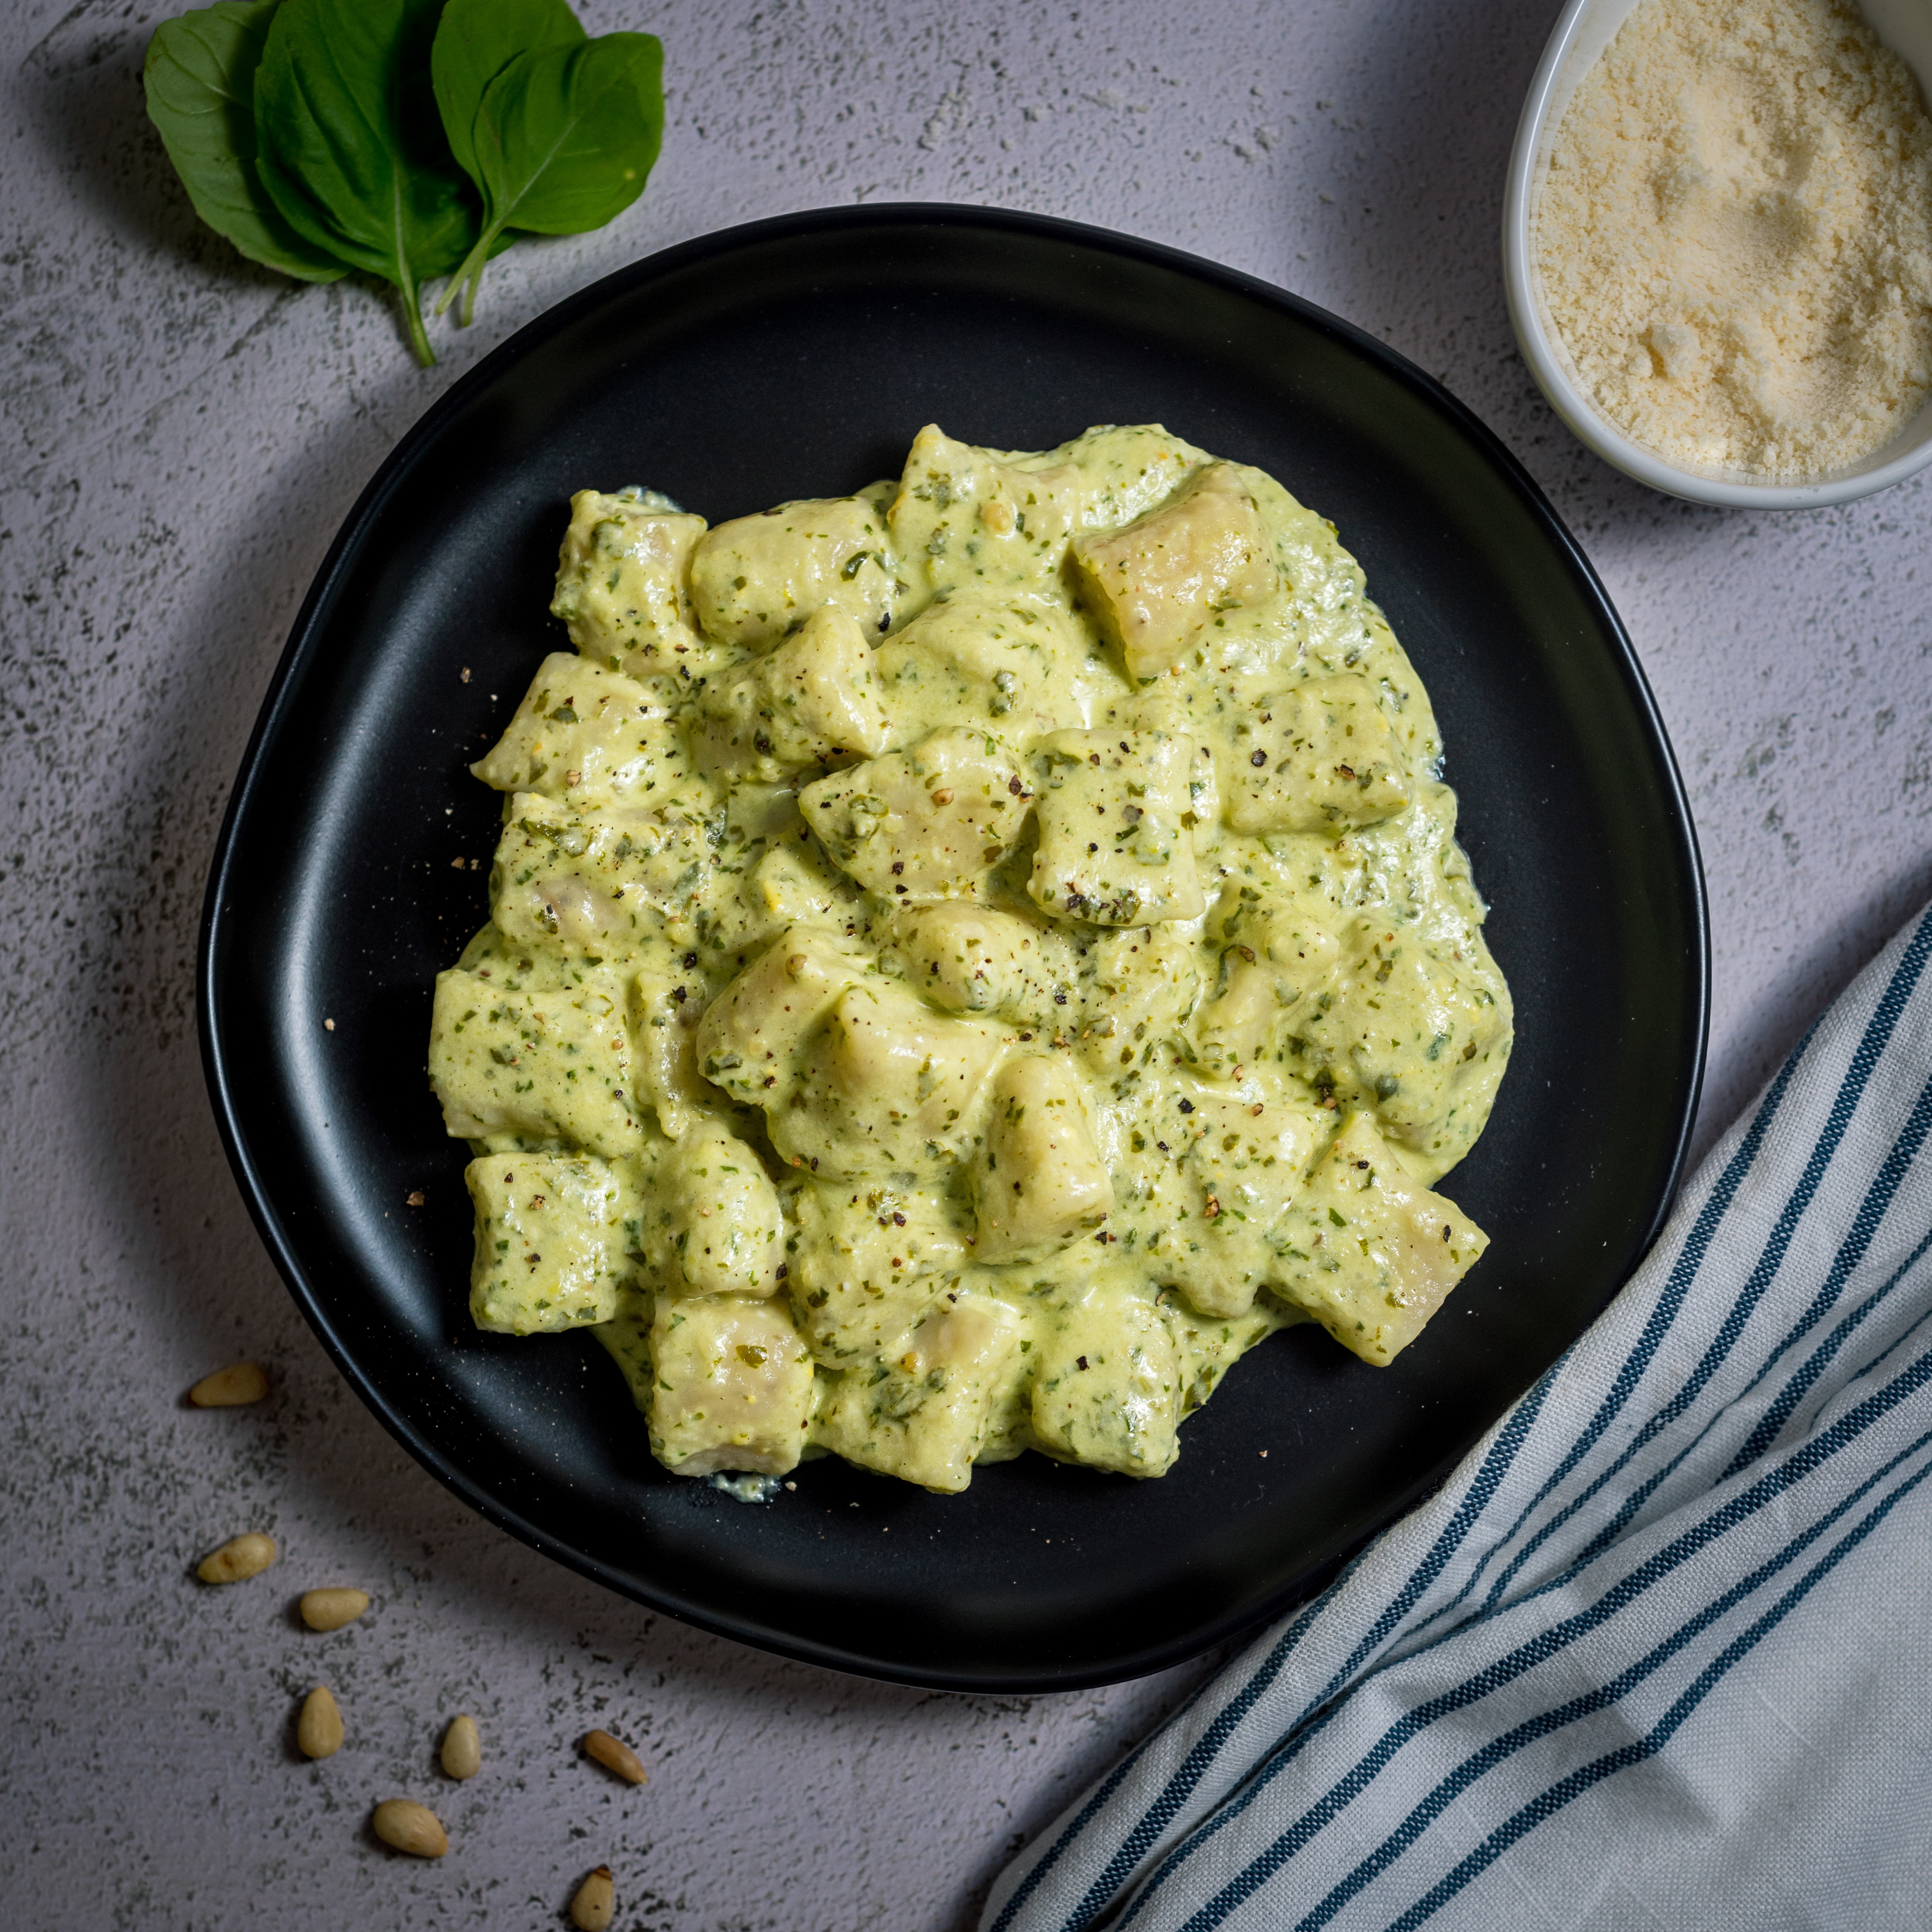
{"x": 1659, "y": 1654}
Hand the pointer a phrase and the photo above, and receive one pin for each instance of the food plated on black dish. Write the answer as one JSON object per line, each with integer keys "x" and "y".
{"x": 798, "y": 360}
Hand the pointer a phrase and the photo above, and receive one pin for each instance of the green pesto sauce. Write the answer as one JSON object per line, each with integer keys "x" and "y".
{"x": 967, "y": 961}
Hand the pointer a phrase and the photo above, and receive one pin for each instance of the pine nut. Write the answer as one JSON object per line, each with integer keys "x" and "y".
{"x": 330, "y": 1610}
{"x": 410, "y": 1827}
{"x": 319, "y": 1729}
{"x": 595, "y": 1904}
{"x": 239, "y": 1557}
{"x": 462, "y": 1748}
{"x": 615, "y": 1756}
{"x": 234, "y": 1386}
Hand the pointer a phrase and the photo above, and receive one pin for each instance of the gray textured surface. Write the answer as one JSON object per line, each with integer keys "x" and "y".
{"x": 185, "y": 433}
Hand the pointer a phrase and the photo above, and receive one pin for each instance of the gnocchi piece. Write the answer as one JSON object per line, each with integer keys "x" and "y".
{"x": 546, "y": 1065}
{"x": 1116, "y": 819}
{"x": 864, "y": 1263}
{"x": 1040, "y": 1182}
{"x": 755, "y": 577}
{"x": 1240, "y": 1171}
{"x": 1154, "y": 584}
{"x": 786, "y": 885}
{"x": 553, "y": 1237}
{"x": 1414, "y": 1032}
{"x": 892, "y": 1087}
{"x": 923, "y": 824}
{"x": 926, "y": 1417}
{"x": 726, "y": 1233}
{"x": 582, "y": 728}
{"x": 1276, "y": 963}
{"x": 1106, "y": 1388}
{"x": 814, "y": 701}
{"x": 597, "y": 877}
{"x": 749, "y": 1040}
{"x": 1141, "y": 983}
{"x": 1320, "y": 756}
{"x": 1125, "y": 468}
{"x": 621, "y": 579}
{"x": 961, "y": 512}
{"x": 1372, "y": 1251}
{"x": 1007, "y": 661}
{"x": 664, "y": 1009}
{"x": 969, "y": 959}
{"x": 731, "y": 1386}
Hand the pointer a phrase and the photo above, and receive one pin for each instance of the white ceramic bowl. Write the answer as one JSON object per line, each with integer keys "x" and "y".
{"x": 1586, "y": 28}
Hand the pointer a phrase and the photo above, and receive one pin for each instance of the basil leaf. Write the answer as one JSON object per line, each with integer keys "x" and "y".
{"x": 475, "y": 40}
{"x": 564, "y": 141}
{"x": 351, "y": 147}
{"x": 199, "y": 78}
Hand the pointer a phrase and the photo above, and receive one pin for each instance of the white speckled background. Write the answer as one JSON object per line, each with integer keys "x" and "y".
{"x": 183, "y": 434}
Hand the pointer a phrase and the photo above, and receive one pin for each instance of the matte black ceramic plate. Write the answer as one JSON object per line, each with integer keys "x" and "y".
{"x": 794, "y": 359}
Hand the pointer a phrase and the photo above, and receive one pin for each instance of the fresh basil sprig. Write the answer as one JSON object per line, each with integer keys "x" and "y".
{"x": 405, "y": 138}
{"x": 562, "y": 143}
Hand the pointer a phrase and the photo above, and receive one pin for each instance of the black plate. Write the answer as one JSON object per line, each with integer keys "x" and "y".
{"x": 796, "y": 357}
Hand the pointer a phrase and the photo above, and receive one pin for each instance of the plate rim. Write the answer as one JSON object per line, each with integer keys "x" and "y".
{"x": 218, "y": 914}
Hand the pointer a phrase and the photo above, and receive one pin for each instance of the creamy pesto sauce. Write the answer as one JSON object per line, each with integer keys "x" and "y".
{"x": 968, "y": 961}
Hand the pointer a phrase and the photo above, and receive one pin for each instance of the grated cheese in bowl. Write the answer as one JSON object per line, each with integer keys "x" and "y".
{"x": 1733, "y": 237}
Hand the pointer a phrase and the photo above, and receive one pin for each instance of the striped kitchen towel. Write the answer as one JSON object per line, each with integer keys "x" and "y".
{"x": 1659, "y": 1654}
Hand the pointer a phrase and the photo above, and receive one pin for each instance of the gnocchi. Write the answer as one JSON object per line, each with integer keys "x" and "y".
{"x": 967, "y": 961}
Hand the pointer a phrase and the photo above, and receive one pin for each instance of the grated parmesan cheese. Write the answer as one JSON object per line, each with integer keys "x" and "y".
{"x": 1734, "y": 235}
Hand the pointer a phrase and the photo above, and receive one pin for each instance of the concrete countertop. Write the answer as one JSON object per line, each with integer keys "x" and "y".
{"x": 187, "y": 433}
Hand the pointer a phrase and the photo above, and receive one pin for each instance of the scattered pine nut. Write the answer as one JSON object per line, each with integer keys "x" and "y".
{"x": 615, "y": 1756}
{"x": 410, "y": 1827}
{"x": 595, "y": 1904}
{"x": 239, "y": 1557}
{"x": 234, "y": 1386}
{"x": 330, "y": 1610}
{"x": 319, "y": 1729}
{"x": 462, "y": 1748}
